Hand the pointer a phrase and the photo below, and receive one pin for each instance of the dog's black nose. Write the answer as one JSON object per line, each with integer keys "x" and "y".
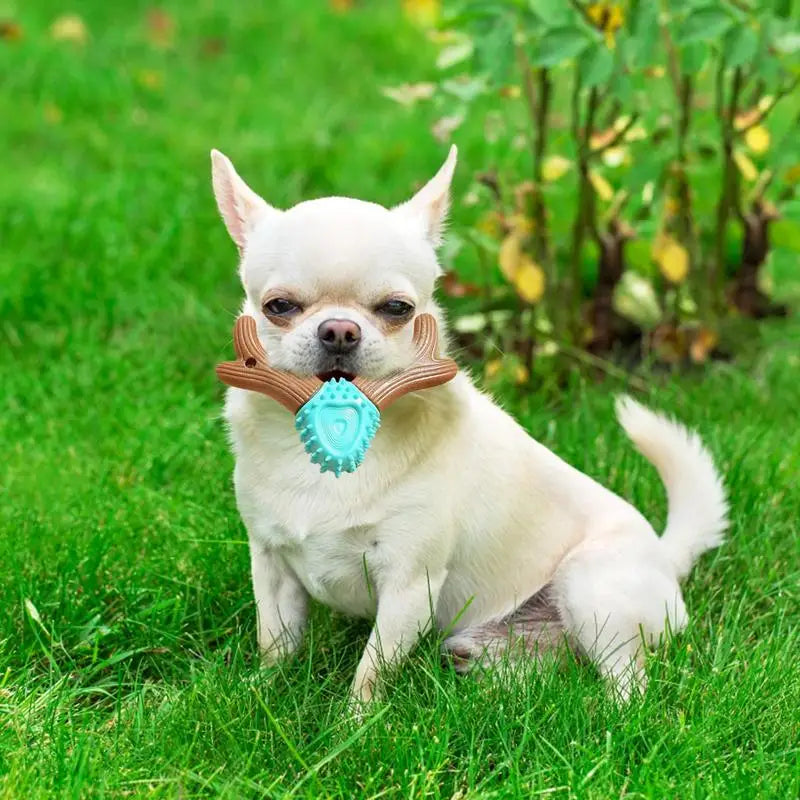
{"x": 339, "y": 335}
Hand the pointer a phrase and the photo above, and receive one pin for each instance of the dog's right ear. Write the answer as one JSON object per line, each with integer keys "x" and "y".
{"x": 239, "y": 205}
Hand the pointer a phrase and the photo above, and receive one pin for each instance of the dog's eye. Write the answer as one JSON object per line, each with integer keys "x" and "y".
{"x": 395, "y": 308}
{"x": 281, "y": 307}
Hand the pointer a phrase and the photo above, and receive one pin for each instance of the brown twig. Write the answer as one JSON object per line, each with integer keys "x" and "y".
{"x": 729, "y": 187}
{"x": 617, "y": 206}
{"x": 601, "y": 363}
{"x": 618, "y": 136}
{"x": 537, "y": 97}
{"x": 756, "y": 194}
{"x": 673, "y": 65}
{"x": 585, "y": 210}
{"x": 779, "y": 95}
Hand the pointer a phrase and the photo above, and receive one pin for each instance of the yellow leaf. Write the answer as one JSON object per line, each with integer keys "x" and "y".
{"x": 529, "y": 280}
{"x": 150, "y": 79}
{"x": 490, "y": 223}
{"x": 521, "y": 374}
{"x": 635, "y": 133}
{"x": 407, "y": 94}
{"x": 792, "y": 175}
{"x": 444, "y": 128}
{"x": 746, "y": 118}
{"x": 424, "y": 13}
{"x": 10, "y": 31}
{"x": 509, "y": 256}
{"x": 615, "y": 156}
{"x": 520, "y": 224}
{"x": 672, "y": 258}
{"x": 70, "y": 28}
{"x": 52, "y": 113}
{"x": 601, "y": 186}
{"x": 608, "y": 17}
{"x": 444, "y": 36}
{"x": 704, "y": 341}
{"x": 523, "y": 192}
{"x": 671, "y": 207}
{"x": 454, "y": 53}
{"x": 492, "y": 368}
{"x": 554, "y": 167}
{"x": 601, "y": 139}
{"x": 621, "y": 122}
{"x": 635, "y": 299}
{"x": 757, "y": 139}
{"x": 746, "y": 166}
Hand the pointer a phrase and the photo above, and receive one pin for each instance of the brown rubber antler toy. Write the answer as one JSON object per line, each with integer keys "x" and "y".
{"x": 427, "y": 369}
{"x": 253, "y": 372}
{"x": 336, "y": 419}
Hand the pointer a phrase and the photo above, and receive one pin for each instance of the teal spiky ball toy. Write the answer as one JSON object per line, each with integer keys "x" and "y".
{"x": 337, "y": 419}
{"x": 337, "y": 426}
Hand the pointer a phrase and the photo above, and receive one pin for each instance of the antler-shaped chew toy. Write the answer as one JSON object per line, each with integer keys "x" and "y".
{"x": 253, "y": 372}
{"x": 337, "y": 419}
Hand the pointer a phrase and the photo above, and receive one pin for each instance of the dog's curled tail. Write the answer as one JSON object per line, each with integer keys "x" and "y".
{"x": 698, "y": 506}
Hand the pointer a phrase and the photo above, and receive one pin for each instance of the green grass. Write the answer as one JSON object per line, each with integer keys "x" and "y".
{"x": 127, "y": 643}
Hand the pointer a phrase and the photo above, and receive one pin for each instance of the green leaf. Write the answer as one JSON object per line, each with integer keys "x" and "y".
{"x": 704, "y": 24}
{"x": 552, "y": 12}
{"x": 785, "y": 234}
{"x": 455, "y": 54}
{"x": 693, "y": 57}
{"x": 622, "y": 87}
{"x": 559, "y": 44}
{"x": 739, "y": 46}
{"x": 782, "y": 8}
{"x": 644, "y": 34}
{"x": 494, "y": 50}
{"x": 464, "y": 13}
{"x": 596, "y": 65}
{"x": 788, "y": 44}
{"x": 638, "y": 255}
{"x": 464, "y": 88}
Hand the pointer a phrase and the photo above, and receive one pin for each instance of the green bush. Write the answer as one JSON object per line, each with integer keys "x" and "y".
{"x": 642, "y": 154}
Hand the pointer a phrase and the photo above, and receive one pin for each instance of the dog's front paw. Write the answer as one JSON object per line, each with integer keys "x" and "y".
{"x": 363, "y": 697}
{"x": 628, "y": 683}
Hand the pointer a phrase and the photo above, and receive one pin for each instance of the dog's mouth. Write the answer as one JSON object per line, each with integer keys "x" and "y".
{"x": 336, "y": 374}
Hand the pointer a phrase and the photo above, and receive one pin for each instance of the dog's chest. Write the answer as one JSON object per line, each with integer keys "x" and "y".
{"x": 330, "y": 531}
{"x": 335, "y": 570}
{"x": 327, "y": 538}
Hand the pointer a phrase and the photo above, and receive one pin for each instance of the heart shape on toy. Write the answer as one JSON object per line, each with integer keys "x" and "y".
{"x": 337, "y": 426}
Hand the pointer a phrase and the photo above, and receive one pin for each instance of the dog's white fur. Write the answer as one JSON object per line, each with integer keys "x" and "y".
{"x": 456, "y": 514}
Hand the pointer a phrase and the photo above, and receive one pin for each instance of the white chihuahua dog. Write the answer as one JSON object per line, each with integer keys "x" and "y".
{"x": 457, "y": 515}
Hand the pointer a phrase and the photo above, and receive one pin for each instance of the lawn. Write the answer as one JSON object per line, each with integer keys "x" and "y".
{"x": 127, "y": 644}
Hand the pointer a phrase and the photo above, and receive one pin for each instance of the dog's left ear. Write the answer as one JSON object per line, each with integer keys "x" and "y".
{"x": 429, "y": 206}
{"x": 241, "y": 208}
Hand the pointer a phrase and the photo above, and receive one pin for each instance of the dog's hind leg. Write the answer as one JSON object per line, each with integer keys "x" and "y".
{"x": 533, "y": 631}
{"x": 617, "y": 596}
